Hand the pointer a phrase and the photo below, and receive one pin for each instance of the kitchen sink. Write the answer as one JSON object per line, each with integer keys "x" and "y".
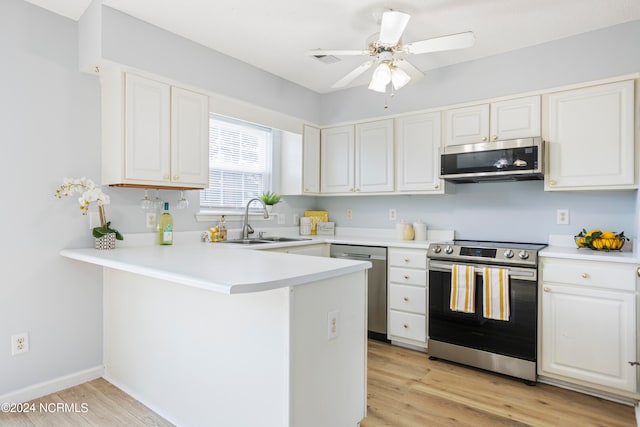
{"x": 271, "y": 239}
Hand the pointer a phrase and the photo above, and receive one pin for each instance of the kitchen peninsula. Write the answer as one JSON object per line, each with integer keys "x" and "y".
{"x": 208, "y": 335}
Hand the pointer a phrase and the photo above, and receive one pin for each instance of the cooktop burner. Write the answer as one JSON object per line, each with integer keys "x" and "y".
{"x": 507, "y": 253}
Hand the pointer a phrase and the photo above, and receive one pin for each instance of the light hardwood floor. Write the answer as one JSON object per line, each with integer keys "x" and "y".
{"x": 405, "y": 389}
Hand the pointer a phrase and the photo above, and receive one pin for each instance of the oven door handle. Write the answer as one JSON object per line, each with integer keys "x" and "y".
{"x": 514, "y": 272}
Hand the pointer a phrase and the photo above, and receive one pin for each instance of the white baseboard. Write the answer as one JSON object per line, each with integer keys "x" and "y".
{"x": 52, "y": 386}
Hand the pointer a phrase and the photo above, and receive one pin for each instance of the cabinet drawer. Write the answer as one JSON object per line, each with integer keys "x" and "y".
{"x": 407, "y": 325}
{"x": 408, "y": 298}
{"x": 587, "y": 273}
{"x": 408, "y": 258}
{"x": 408, "y": 276}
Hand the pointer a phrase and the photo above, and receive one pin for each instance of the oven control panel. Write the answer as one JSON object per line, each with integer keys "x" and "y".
{"x": 487, "y": 252}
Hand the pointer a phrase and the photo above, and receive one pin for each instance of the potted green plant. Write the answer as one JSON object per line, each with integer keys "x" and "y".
{"x": 104, "y": 234}
{"x": 270, "y": 198}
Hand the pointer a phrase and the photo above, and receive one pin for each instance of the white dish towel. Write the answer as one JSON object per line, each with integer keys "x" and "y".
{"x": 496, "y": 293}
{"x": 463, "y": 288}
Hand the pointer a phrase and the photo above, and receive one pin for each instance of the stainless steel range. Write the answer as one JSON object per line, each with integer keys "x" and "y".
{"x": 506, "y": 346}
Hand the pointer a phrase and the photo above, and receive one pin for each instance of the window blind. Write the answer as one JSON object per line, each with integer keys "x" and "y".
{"x": 239, "y": 162}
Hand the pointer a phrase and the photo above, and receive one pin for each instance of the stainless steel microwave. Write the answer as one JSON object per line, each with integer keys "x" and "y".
{"x": 510, "y": 160}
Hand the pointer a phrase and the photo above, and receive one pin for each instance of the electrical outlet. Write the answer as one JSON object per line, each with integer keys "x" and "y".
{"x": 332, "y": 324}
{"x": 296, "y": 219}
{"x": 151, "y": 220}
{"x": 562, "y": 216}
{"x": 392, "y": 214}
{"x": 19, "y": 343}
{"x": 349, "y": 214}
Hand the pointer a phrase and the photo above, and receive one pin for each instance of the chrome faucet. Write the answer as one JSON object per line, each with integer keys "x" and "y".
{"x": 246, "y": 228}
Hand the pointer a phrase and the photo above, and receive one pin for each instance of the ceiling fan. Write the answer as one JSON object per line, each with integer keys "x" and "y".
{"x": 387, "y": 53}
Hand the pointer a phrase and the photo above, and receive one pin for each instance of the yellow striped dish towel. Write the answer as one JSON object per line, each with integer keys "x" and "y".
{"x": 496, "y": 293}
{"x": 463, "y": 288}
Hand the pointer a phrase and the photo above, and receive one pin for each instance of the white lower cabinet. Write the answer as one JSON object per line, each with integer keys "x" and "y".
{"x": 407, "y": 296}
{"x": 588, "y": 324}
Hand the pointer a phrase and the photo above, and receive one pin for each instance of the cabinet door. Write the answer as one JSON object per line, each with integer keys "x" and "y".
{"x": 310, "y": 159}
{"x": 591, "y": 139}
{"x": 467, "y": 125}
{"x": 417, "y": 153}
{"x": 337, "y": 148}
{"x": 189, "y": 138}
{"x": 515, "y": 118}
{"x": 374, "y": 157}
{"x": 147, "y": 125}
{"x": 589, "y": 334}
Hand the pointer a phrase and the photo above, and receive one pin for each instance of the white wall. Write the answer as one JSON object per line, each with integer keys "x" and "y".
{"x": 50, "y": 127}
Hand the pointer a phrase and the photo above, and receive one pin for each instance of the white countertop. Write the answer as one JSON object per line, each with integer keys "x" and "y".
{"x": 561, "y": 246}
{"x": 217, "y": 267}
{"x": 220, "y": 267}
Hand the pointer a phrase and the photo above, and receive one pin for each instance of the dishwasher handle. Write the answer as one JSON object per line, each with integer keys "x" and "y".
{"x": 364, "y": 257}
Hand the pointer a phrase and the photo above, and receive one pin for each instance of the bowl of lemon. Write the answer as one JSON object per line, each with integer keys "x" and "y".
{"x": 600, "y": 240}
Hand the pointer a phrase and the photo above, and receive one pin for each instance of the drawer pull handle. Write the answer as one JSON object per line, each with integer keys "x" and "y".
{"x": 638, "y": 271}
{"x": 634, "y": 363}
{"x": 585, "y": 275}
{"x": 547, "y": 289}
{"x": 406, "y": 276}
{"x": 405, "y": 299}
{"x": 407, "y": 259}
{"x": 405, "y": 326}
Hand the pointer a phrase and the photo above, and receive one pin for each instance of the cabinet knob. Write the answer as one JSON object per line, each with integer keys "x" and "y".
{"x": 494, "y": 137}
{"x": 351, "y": 189}
{"x": 306, "y": 188}
{"x": 166, "y": 177}
{"x": 436, "y": 186}
{"x": 585, "y": 275}
{"x": 405, "y": 299}
{"x": 405, "y": 326}
{"x": 176, "y": 177}
{"x": 357, "y": 189}
{"x": 553, "y": 182}
{"x": 638, "y": 271}
{"x": 547, "y": 289}
{"x": 484, "y": 138}
{"x": 406, "y": 276}
{"x": 407, "y": 259}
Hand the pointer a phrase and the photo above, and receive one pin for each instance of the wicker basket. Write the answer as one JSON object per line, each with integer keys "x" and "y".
{"x": 108, "y": 241}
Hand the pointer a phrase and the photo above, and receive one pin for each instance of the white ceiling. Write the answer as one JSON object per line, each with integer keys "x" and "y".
{"x": 273, "y": 35}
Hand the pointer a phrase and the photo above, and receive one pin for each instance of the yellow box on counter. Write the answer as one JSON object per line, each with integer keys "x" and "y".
{"x": 316, "y": 217}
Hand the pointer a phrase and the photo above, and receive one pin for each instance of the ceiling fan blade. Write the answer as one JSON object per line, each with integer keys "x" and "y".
{"x": 438, "y": 44}
{"x": 352, "y": 75}
{"x": 409, "y": 68}
{"x": 392, "y": 26}
{"x": 325, "y": 52}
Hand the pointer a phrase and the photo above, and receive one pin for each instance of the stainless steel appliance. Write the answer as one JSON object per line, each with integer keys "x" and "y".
{"x": 511, "y": 160}
{"x": 377, "y": 283}
{"x": 507, "y": 347}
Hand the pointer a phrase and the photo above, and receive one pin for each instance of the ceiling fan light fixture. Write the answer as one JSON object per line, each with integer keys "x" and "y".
{"x": 399, "y": 78}
{"x": 381, "y": 78}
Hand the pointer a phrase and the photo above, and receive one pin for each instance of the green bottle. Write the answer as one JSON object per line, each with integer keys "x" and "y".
{"x": 166, "y": 226}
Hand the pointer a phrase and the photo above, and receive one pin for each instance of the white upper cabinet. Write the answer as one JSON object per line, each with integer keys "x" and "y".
{"x": 374, "y": 157}
{"x": 510, "y": 119}
{"x": 590, "y": 139}
{"x": 417, "y": 153}
{"x": 310, "y": 159}
{"x": 153, "y": 134}
{"x": 357, "y": 158}
{"x": 189, "y": 138}
{"x": 337, "y": 159}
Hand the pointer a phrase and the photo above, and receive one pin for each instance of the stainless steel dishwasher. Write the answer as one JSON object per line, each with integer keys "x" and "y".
{"x": 376, "y": 285}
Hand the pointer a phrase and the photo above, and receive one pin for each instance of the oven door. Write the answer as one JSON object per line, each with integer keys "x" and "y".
{"x": 515, "y": 337}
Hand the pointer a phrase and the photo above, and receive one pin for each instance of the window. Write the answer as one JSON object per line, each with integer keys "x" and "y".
{"x": 239, "y": 163}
